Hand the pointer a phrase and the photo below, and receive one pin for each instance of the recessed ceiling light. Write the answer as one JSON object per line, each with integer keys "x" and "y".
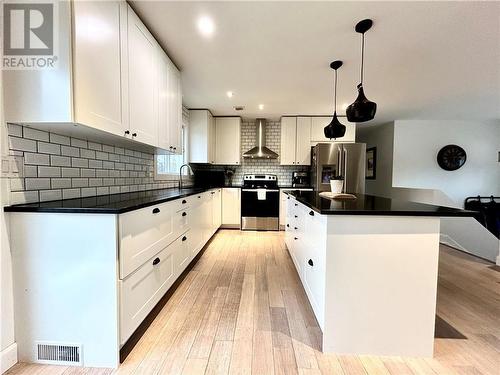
{"x": 229, "y": 94}
{"x": 206, "y": 26}
{"x": 261, "y": 106}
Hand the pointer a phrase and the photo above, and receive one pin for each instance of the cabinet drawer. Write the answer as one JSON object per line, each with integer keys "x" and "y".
{"x": 184, "y": 251}
{"x": 142, "y": 234}
{"x": 314, "y": 282}
{"x": 182, "y": 221}
{"x": 182, "y": 203}
{"x": 142, "y": 290}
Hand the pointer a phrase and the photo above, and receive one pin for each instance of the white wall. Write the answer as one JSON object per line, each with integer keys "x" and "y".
{"x": 8, "y": 349}
{"x": 416, "y": 144}
{"x": 407, "y": 169}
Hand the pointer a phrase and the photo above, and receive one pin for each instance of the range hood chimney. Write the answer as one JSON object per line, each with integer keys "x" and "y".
{"x": 260, "y": 151}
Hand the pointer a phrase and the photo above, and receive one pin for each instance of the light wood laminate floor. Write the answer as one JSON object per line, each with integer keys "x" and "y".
{"x": 242, "y": 310}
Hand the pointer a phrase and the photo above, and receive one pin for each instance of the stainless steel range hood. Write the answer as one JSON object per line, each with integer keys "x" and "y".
{"x": 260, "y": 151}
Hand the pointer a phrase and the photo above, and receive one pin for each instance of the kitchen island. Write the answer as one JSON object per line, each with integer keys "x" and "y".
{"x": 369, "y": 267}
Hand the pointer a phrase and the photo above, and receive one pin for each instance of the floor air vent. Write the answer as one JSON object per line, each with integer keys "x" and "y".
{"x": 59, "y": 354}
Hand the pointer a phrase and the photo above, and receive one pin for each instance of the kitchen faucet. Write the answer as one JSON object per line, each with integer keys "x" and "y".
{"x": 180, "y": 173}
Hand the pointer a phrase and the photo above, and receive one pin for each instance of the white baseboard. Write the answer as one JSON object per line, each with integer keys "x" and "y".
{"x": 498, "y": 260}
{"x": 8, "y": 358}
{"x": 447, "y": 240}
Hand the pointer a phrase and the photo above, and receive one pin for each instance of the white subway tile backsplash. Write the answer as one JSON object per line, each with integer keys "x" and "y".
{"x": 37, "y": 183}
{"x": 87, "y": 172}
{"x": 15, "y": 130}
{"x": 70, "y": 172}
{"x": 60, "y": 183}
{"x": 79, "y": 163}
{"x": 22, "y": 144}
{"x": 70, "y": 151}
{"x": 20, "y": 197}
{"x": 95, "y": 146}
{"x": 44, "y": 171}
{"x": 36, "y": 159}
{"x": 89, "y": 154}
{"x": 78, "y": 143}
{"x": 60, "y": 139}
{"x": 35, "y": 134}
{"x": 49, "y": 148}
{"x": 79, "y": 182}
{"x": 50, "y": 195}
{"x": 89, "y": 192}
{"x": 60, "y": 161}
{"x": 71, "y": 193}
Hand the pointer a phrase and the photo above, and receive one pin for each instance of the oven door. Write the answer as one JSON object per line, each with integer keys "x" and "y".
{"x": 260, "y": 214}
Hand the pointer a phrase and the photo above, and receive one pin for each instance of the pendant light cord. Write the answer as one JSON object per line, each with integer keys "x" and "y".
{"x": 362, "y": 55}
{"x": 335, "y": 92}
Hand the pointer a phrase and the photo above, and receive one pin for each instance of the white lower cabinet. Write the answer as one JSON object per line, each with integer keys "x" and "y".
{"x": 283, "y": 207}
{"x": 142, "y": 290}
{"x": 305, "y": 238}
{"x": 188, "y": 223}
{"x": 231, "y": 207}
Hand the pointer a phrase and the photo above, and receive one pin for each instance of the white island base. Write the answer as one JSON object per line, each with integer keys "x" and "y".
{"x": 371, "y": 280}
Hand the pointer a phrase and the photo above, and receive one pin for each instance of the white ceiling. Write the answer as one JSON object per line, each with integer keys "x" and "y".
{"x": 424, "y": 60}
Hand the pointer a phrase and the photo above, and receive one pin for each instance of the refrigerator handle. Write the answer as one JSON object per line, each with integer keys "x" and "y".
{"x": 339, "y": 158}
{"x": 346, "y": 156}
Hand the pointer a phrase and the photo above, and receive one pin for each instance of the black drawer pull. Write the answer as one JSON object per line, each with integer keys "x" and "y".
{"x": 295, "y": 238}
{"x": 127, "y": 132}
{"x": 296, "y": 204}
{"x": 310, "y": 262}
{"x": 184, "y": 201}
{"x": 311, "y": 213}
{"x": 287, "y": 197}
{"x": 288, "y": 225}
{"x": 296, "y": 216}
{"x": 184, "y": 238}
{"x": 199, "y": 196}
{"x": 184, "y": 214}
{"x": 156, "y": 210}
{"x": 156, "y": 261}
{"x": 295, "y": 228}
{"x": 134, "y": 134}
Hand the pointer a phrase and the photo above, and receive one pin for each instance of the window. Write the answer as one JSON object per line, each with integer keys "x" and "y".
{"x": 167, "y": 166}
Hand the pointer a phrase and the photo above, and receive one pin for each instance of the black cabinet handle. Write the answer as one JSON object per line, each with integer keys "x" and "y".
{"x": 134, "y": 134}
{"x": 156, "y": 210}
{"x": 288, "y": 225}
{"x": 311, "y": 213}
{"x": 295, "y": 238}
{"x": 287, "y": 197}
{"x": 296, "y": 204}
{"x": 127, "y": 132}
{"x": 184, "y": 238}
{"x": 296, "y": 228}
{"x": 296, "y": 216}
{"x": 199, "y": 196}
{"x": 156, "y": 261}
{"x": 310, "y": 262}
{"x": 213, "y": 192}
{"x": 184, "y": 201}
{"x": 184, "y": 214}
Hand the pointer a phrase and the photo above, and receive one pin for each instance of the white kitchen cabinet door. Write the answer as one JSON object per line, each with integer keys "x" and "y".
{"x": 317, "y": 130}
{"x": 288, "y": 140}
{"x": 227, "y": 140}
{"x": 163, "y": 102}
{"x": 142, "y": 60}
{"x": 100, "y": 87}
{"x": 231, "y": 207}
{"x": 303, "y": 144}
{"x": 175, "y": 108}
{"x": 217, "y": 210}
{"x": 201, "y": 136}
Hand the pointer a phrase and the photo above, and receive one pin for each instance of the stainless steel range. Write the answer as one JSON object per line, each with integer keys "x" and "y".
{"x": 260, "y": 202}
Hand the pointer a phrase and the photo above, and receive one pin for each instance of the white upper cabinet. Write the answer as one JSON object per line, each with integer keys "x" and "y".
{"x": 317, "y": 130}
{"x": 295, "y": 141}
{"x": 142, "y": 62}
{"x": 169, "y": 105}
{"x": 175, "y": 108}
{"x": 109, "y": 75}
{"x": 201, "y": 136}
{"x": 227, "y": 140}
{"x": 100, "y": 87}
{"x": 288, "y": 140}
{"x": 303, "y": 147}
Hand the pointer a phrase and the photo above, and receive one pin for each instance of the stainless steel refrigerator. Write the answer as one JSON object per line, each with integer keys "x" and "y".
{"x": 339, "y": 160}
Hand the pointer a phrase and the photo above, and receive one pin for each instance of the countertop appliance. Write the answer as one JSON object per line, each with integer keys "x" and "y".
{"x": 260, "y": 202}
{"x": 301, "y": 179}
{"x": 339, "y": 161}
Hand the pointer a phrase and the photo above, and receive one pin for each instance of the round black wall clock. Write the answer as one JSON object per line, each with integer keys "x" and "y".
{"x": 451, "y": 157}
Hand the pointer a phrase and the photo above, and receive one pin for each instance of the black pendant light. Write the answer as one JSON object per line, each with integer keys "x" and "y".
{"x": 362, "y": 109}
{"x": 335, "y": 129}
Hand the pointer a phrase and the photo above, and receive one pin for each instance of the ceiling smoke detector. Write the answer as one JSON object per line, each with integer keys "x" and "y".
{"x": 239, "y": 107}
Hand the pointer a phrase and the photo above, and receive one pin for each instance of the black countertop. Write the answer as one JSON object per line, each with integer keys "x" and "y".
{"x": 108, "y": 204}
{"x": 373, "y": 205}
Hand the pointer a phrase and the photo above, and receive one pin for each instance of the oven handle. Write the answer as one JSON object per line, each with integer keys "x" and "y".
{"x": 267, "y": 190}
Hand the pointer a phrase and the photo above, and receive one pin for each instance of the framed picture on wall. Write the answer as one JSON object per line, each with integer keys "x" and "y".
{"x": 371, "y": 163}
